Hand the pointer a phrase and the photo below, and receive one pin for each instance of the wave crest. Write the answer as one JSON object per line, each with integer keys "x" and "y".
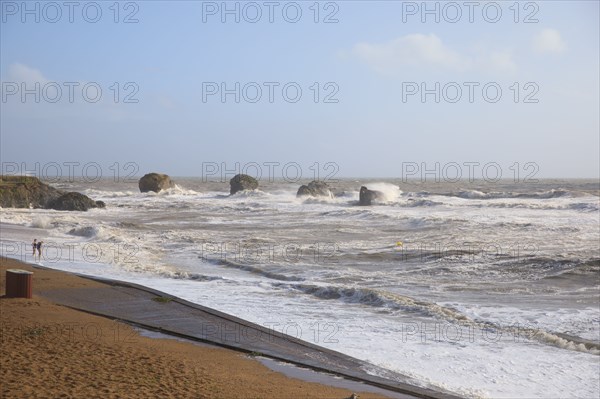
{"x": 86, "y": 231}
{"x": 474, "y": 194}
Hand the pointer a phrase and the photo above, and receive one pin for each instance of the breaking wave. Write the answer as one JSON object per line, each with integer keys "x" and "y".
{"x": 86, "y": 231}
{"x": 474, "y": 194}
{"x": 375, "y": 298}
{"x": 255, "y": 270}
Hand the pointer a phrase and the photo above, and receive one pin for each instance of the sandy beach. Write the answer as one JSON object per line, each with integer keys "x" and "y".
{"x": 48, "y": 350}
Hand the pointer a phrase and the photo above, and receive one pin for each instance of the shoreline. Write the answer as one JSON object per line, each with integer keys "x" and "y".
{"x": 59, "y": 350}
{"x": 32, "y": 327}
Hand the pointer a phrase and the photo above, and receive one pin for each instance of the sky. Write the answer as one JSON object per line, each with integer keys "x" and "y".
{"x": 444, "y": 90}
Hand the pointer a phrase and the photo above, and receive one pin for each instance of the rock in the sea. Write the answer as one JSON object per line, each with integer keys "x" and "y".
{"x": 25, "y": 192}
{"x": 366, "y": 196}
{"x": 315, "y": 189}
{"x": 242, "y": 182}
{"x": 73, "y": 202}
{"x": 155, "y": 182}
{"x": 30, "y": 192}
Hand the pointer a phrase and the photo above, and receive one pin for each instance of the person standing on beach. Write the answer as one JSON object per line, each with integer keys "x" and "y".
{"x": 39, "y": 249}
{"x": 34, "y": 246}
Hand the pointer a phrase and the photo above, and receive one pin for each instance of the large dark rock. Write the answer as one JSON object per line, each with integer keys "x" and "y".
{"x": 25, "y": 192}
{"x": 241, "y": 183}
{"x": 315, "y": 189}
{"x": 155, "y": 182}
{"x": 30, "y": 192}
{"x": 74, "y": 202}
{"x": 366, "y": 196}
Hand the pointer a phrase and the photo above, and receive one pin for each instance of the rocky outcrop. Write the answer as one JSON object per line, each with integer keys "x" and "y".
{"x": 25, "y": 192}
{"x": 155, "y": 182}
{"x": 74, "y": 202}
{"x": 366, "y": 196}
{"x": 30, "y": 192}
{"x": 241, "y": 183}
{"x": 315, "y": 189}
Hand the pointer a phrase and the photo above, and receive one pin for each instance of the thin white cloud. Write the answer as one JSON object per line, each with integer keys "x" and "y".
{"x": 410, "y": 50}
{"x": 549, "y": 41}
{"x": 419, "y": 50}
{"x": 22, "y": 73}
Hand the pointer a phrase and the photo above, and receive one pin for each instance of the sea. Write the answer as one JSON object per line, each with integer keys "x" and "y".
{"x": 486, "y": 289}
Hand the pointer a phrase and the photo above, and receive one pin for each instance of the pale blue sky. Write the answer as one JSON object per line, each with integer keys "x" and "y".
{"x": 370, "y": 55}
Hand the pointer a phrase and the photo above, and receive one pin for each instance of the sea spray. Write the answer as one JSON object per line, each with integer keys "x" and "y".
{"x": 41, "y": 222}
{"x": 391, "y": 192}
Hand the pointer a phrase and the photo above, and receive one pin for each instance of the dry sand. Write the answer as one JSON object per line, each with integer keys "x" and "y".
{"x": 51, "y": 351}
